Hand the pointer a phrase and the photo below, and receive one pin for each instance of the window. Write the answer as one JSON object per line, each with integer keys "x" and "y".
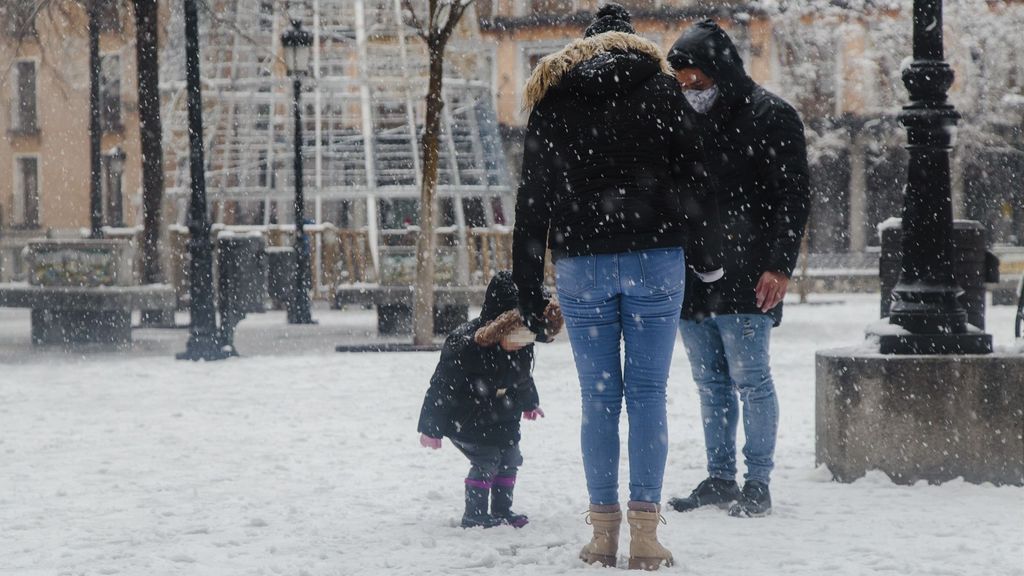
{"x": 109, "y": 16}
{"x": 23, "y": 109}
{"x": 263, "y": 109}
{"x": 532, "y": 52}
{"x": 265, "y": 16}
{"x": 110, "y": 93}
{"x": 112, "y": 170}
{"x": 557, "y": 7}
{"x": 18, "y": 17}
{"x": 26, "y": 192}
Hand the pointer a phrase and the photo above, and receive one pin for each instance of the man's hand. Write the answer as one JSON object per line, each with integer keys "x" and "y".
{"x": 428, "y": 442}
{"x": 771, "y": 289}
{"x": 533, "y": 414}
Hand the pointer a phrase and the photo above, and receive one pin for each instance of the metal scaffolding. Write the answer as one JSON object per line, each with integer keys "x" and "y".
{"x": 363, "y": 111}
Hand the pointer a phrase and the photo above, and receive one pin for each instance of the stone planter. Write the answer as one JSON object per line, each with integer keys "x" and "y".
{"x": 80, "y": 263}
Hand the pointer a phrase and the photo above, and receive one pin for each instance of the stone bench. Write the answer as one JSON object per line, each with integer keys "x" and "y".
{"x": 394, "y": 305}
{"x": 72, "y": 315}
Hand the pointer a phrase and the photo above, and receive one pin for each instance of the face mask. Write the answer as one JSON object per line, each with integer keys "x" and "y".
{"x": 702, "y": 100}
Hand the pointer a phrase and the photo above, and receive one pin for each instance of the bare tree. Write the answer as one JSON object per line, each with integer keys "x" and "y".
{"x": 435, "y": 30}
{"x": 147, "y": 13}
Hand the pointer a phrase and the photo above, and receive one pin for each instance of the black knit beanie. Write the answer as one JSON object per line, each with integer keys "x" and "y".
{"x": 611, "y": 17}
{"x": 501, "y": 296}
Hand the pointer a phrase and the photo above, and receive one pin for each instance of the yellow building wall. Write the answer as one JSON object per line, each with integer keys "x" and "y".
{"x": 62, "y": 104}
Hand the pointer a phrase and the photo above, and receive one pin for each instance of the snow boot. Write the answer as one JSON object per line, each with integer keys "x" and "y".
{"x": 476, "y": 515}
{"x": 501, "y": 502}
{"x": 710, "y": 492}
{"x": 754, "y": 502}
{"x": 645, "y": 552}
{"x": 604, "y": 546}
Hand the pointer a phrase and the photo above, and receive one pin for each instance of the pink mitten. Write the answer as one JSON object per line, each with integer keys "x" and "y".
{"x": 428, "y": 442}
{"x": 533, "y": 414}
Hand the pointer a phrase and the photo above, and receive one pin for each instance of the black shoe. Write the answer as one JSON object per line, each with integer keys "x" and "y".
{"x": 755, "y": 501}
{"x": 511, "y": 518}
{"x": 480, "y": 521}
{"x": 712, "y": 491}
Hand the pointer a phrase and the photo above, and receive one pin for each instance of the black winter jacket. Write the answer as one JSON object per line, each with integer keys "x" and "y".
{"x": 610, "y": 164}
{"x": 478, "y": 394}
{"x": 757, "y": 156}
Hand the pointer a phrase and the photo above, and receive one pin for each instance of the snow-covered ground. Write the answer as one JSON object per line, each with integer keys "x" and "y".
{"x": 309, "y": 465}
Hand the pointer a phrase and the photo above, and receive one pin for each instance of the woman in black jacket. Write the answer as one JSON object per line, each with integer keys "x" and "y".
{"x": 612, "y": 184}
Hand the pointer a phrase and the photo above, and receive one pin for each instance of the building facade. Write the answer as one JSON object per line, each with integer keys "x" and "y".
{"x": 44, "y": 91}
{"x": 838, "y": 65}
{"x": 841, "y": 68}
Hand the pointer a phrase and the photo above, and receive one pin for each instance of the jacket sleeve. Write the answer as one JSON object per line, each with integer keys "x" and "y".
{"x": 695, "y": 188}
{"x": 526, "y": 394}
{"x": 787, "y": 179}
{"x": 441, "y": 397}
{"x": 437, "y": 405}
{"x": 533, "y": 215}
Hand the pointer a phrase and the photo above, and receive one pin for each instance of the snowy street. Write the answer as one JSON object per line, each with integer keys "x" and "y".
{"x": 137, "y": 464}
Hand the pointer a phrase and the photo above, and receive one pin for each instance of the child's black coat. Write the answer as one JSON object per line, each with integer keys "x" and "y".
{"x": 478, "y": 394}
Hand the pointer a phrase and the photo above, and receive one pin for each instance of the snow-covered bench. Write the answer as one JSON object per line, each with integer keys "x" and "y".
{"x": 73, "y": 315}
{"x": 394, "y": 305}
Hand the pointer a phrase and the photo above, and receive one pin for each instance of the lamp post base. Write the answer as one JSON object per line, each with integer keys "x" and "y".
{"x": 205, "y": 348}
{"x": 301, "y": 319}
{"x": 971, "y": 343}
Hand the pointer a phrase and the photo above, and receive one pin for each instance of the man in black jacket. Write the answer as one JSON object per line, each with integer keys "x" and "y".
{"x": 756, "y": 153}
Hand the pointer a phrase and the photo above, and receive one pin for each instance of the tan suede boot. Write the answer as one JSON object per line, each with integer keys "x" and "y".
{"x": 645, "y": 552}
{"x": 604, "y": 546}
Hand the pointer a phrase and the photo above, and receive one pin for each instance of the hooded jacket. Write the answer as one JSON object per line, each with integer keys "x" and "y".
{"x": 757, "y": 157}
{"x": 478, "y": 394}
{"x": 610, "y": 164}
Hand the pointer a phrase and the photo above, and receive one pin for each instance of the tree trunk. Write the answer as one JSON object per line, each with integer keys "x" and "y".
{"x": 150, "y": 135}
{"x": 423, "y": 296}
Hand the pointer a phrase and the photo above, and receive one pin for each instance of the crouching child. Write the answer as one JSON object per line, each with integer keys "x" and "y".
{"x": 481, "y": 388}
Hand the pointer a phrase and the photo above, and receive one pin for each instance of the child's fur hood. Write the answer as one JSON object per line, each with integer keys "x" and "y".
{"x": 553, "y": 67}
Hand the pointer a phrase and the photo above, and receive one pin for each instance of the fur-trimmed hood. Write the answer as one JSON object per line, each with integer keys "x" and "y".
{"x": 614, "y": 54}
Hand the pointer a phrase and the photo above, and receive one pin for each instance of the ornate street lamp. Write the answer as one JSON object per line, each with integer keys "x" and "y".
{"x": 924, "y": 301}
{"x": 203, "y": 340}
{"x": 297, "y": 45}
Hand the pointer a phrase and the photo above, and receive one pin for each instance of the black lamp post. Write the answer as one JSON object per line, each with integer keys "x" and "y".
{"x": 297, "y": 45}
{"x": 924, "y": 301}
{"x": 95, "y": 131}
{"x": 203, "y": 341}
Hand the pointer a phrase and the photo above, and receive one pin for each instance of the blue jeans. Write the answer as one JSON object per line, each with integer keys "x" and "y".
{"x": 606, "y": 299}
{"x": 729, "y": 354}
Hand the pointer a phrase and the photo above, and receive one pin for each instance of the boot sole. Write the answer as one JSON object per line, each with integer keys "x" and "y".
{"x": 649, "y": 564}
{"x": 746, "y": 514}
{"x": 606, "y": 561}
{"x": 722, "y": 505}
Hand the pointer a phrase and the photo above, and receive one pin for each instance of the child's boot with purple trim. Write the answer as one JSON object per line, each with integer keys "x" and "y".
{"x": 501, "y": 502}
{"x": 476, "y": 516}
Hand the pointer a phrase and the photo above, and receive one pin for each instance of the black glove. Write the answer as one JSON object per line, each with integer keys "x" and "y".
{"x": 533, "y": 318}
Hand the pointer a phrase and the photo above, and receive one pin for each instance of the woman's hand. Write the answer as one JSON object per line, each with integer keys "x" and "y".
{"x": 533, "y": 414}
{"x": 428, "y": 442}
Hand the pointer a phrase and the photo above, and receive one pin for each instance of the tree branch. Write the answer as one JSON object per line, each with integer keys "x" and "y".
{"x": 454, "y": 16}
{"x": 414, "y": 20}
